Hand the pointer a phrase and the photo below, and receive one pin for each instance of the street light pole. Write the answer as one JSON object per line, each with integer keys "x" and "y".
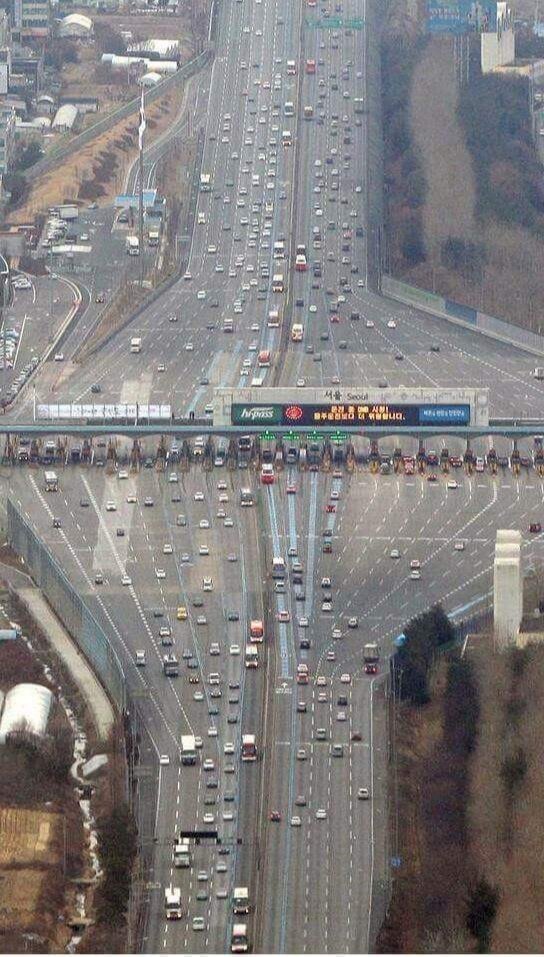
{"x": 141, "y": 131}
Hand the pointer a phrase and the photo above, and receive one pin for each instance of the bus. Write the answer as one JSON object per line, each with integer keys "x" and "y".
{"x": 51, "y": 482}
{"x": 251, "y": 656}
{"x": 249, "y": 747}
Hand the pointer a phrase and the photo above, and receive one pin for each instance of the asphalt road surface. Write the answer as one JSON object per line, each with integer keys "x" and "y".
{"x": 314, "y": 870}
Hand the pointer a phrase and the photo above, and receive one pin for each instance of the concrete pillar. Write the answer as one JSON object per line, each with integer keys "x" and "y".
{"x": 508, "y": 587}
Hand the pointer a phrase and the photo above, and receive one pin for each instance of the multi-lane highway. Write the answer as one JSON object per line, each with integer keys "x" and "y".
{"x": 304, "y": 827}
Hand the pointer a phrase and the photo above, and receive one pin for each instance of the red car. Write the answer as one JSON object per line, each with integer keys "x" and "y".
{"x": 275, "y": 816}
{"x": 330, "y": 508}
{"x": 335, "y": 318}
{"x": 431, "y": 477}
{"x": 535, "y": 527}
{"x": 291, "y": 490}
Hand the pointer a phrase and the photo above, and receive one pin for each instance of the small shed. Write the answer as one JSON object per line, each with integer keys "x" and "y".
{"x": 65, "y": 118}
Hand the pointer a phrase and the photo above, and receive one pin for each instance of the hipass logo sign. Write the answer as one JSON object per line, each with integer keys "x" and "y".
{"x": 256, "y": 414}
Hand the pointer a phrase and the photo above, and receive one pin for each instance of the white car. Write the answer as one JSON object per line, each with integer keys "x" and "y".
{"x": 215, "y": 648}
{"x": 415, "y": 563}
{"x": 167, "y": 549}
{"x": 199, "y": 923}
{"x": 208, "y": 765}
{"x": 228, "y": 523}
{"x": 207, "y": 584}
{"x": 321, "y": 814}
{"x": 394, "y": 553}
{"x": 321, "y": 681}
{"x": 126, "y": 580}
{"x": 199, "y": 496}
{"x": 229, "y": 747}
{"x": 201, "y": 294}
{"x": 160, "y": 573}
{"x": 391, "y": 324}
{"x": 234, "y": 650}
{"x": 415, "y": 574}
{"x": 111, "y": 507}
{"x": 459, "y": 546}
{"x": 452, "y": 484}
{"x": 198, "y": 696}
{"x": 208, "y": 818}
{"x": 212, "y": 731}
{"x": 203, "y": 550}
{"x": 341, "y": 716}
{"x": 295, "y": 821}
{"x": 345, "y": 679}
{"x": 189, "y": 347}
{"x": 369, "y": 324}
{"x": 164, "y": 759}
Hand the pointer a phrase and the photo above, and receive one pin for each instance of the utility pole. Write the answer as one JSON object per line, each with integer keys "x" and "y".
{"x": 141, "y": 131}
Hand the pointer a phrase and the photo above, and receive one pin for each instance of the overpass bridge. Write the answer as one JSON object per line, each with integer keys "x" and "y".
{"x": 513, "y": 429}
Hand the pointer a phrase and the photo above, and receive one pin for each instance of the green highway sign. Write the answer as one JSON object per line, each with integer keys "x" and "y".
{"x": 336, "y": 23}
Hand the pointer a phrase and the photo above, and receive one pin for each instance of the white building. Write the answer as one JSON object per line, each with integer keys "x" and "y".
{"x": 26, "y": 708}
{"x": 76, "y": 26}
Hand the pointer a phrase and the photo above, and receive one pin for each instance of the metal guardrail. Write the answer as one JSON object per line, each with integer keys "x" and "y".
{"x": 141, "y": 753}
{"x": 466, "y": 316}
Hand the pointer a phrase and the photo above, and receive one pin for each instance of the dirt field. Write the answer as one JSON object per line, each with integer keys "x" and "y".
{"x": 30, "y": 854}
{"x": 97, "y": 172}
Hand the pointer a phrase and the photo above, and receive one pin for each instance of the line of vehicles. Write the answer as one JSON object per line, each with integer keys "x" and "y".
{"x": 241, "y": 906}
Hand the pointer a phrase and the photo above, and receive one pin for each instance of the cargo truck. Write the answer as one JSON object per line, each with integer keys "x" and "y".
{"x": 371, "y": 657}
{"x": 239, "y": 943}
{"x": 182, "y": 853}
{"x": 249, "y": 747}
{"x": 188, "y": 749}
{"x": 132, "y": 246}
{"x": 240, "y": 900}
{"x": 170, "y": 666}
{"x": 172, "y": 903}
